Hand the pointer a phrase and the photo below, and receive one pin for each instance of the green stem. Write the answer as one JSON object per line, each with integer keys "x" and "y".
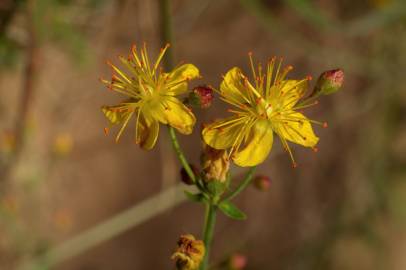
{"x": 211, "y": 215}
{"x": 180, "y": 154}
{"x": 208, "y": 232}
{"x": 166, "y": 37}
{"x": 243, "y": 184}
{"x": 166, "y": 31}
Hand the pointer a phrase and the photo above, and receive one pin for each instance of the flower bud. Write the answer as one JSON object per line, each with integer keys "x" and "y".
{"x": 237, "y": 262}
{"x": 185, "y": 177}
{"x": 262, "y": 182}
{"x": 329, "y": 82}
{"x": 215, "y": 164}
{"x": 201, "y": 96}
{"x": 189, "y": 253}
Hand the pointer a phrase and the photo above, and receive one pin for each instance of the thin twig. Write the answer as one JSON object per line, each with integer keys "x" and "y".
{"x": 243, "y": 184}
{"x": 166, "y": 31}
{"x": 110, "y": 228}
{"x": 29, "y": 82}
{"x": 7, "y": 11}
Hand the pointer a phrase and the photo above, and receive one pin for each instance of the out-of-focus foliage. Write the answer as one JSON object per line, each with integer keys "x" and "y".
{"x": 9, "y": 51}
{"x": 62, "y": 22}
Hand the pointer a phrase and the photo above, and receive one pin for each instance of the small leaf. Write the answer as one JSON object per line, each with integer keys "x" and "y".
{"x": 216, "y": 188}
{"x": 198, "y": 197}
{"x": 231, "y": 210}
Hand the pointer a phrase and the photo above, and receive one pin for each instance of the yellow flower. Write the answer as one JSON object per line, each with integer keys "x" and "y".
{"x": 264, "y": 109}
{"x": 152, "y": 97}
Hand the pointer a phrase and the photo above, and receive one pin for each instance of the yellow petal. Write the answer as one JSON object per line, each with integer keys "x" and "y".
{"x": 222, "y": 133}
{"x": 176, "y": 79}
{"x": 116, "y": 114}
{"x": 258, "y": 146}
{"x": 297, "y": 129}
{"x": 292, "y": 91}
{"x": 178, "y": 115}
{"x": 155, "y": 110}
{"x": 147, "y": 131}
{"x": 233, "y": 87}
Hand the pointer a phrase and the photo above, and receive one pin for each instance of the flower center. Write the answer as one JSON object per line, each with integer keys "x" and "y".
{"x": 267, "y": 110}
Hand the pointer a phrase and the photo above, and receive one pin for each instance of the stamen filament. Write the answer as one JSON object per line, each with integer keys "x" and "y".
{"x": 135, "y": 54}
{"x": 252, "y": 67}
{"x": 161, "y": 54}
{"x": 124, "y": 125}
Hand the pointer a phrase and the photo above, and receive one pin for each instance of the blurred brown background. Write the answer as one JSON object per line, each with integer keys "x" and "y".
{"x": 342, "y": 208}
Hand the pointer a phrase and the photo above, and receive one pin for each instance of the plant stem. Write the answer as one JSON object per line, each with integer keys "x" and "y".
{"x": 208, "y": 232}
{"x": 166, "y": 31}
{"x": 26, "y": 98}
{"x": 7, "y": 13}
{"x": 180, "y": 154}
{"x": 108, "y": 229}
{"x": 166, "y": 37}
{"x": 243, "y": 184}
{"x": 211, "y": 209}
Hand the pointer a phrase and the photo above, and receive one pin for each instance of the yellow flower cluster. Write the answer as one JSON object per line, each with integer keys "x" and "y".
{"x": 267, "y": 105}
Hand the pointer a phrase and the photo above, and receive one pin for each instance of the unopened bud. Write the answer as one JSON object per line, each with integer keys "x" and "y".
{"x": 237, "y": 261}
{"x": 215, "y": 164}
{"x": 329, "y": 82}
{"x": 201, "y": 96}
{"x": 262, "y": 182}
{"x": 185, "y": 176}
{"x": 189, "y": 253}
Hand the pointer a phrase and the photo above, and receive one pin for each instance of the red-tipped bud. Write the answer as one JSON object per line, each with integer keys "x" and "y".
{"x": 201, "y": 96}
{"x": 329, "y": 82}
{"x": 185, "y": 177}
{"x": 237, "y": 261}
{"x": 262, "y": 182}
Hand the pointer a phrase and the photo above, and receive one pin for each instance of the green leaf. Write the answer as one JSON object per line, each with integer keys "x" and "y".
{"x": 216, "y": 188}
{"x": 230, "y": 210}
{"x": 198, "y": 197}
